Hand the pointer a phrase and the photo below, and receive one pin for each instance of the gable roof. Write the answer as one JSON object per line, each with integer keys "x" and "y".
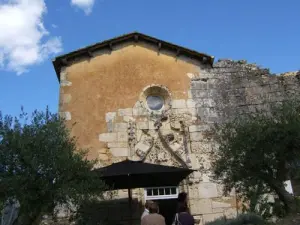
{"x": 62, "y": 60}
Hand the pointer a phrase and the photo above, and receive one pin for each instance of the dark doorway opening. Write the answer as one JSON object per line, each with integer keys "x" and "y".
{"x": 167, "y": 208}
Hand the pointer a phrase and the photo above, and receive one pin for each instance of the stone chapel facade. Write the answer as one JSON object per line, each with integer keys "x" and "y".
{"x": 140, "y": 98}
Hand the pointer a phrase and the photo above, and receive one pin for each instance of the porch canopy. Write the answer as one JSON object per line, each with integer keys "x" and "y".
{"x": 138, "y": 174}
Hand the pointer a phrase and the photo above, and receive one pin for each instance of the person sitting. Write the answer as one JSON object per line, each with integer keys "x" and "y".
{"x": 183, "y": 217}
{"x": 146, "y": 210}
{"x": 153, "y": 218}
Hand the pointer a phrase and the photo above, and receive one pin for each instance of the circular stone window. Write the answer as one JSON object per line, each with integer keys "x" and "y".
{"x": 156, "y": 98}
{"x": 155, "y": 102}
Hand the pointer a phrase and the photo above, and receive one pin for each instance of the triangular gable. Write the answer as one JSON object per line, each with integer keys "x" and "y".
{"x": 62, "y": 60}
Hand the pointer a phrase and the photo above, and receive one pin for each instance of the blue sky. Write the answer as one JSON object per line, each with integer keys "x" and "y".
{"x": 264, "y": 32}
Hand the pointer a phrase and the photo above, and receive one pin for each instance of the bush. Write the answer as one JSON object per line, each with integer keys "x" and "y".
{"x": 220, "y": 221}
{"x": 243, "y": 219}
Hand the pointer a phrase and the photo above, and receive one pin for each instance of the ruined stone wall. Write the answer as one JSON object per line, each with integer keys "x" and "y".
{"x": 229, "y": 89}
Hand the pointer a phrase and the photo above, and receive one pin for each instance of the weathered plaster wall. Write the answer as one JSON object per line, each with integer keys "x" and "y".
{"x": 114, "y": 80}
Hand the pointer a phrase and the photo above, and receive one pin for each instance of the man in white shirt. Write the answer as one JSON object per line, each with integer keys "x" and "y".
{"x": 146, "y": 211}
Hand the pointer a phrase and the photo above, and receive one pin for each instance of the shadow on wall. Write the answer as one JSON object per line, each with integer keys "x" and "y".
{"x": 109, "y": 212}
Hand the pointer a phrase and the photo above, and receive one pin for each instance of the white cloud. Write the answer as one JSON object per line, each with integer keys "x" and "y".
{"x": 24, "y": 41}
{"x": 85, "y": 5}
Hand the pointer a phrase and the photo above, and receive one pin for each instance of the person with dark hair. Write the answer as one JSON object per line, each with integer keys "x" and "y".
{"x": 183, "y": 216}
{"x": 153, "y": 218}
{"x": 182, "y": 197}
{"x": 146, "y": 210}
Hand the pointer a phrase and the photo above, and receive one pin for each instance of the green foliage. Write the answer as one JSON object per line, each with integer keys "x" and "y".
{"x": 40, "y": 165}
{"x": 90, "y": 213}
{"x": 99, "y": 211}
{"x": 242, "y": 219}
{"x": 259, "y": 151}
{"x": 219, "y": 221}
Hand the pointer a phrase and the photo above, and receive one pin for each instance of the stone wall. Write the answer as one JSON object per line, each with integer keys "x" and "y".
{"x": 106, "y": 98}
{"x": 231, "y": 88}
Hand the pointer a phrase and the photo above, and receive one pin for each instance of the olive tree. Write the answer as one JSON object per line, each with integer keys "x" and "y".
{"x": 41, "y": 166}
{"x": 259, "y": 150}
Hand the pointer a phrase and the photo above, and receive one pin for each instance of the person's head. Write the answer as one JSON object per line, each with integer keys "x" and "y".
{"x": 153, "y": 208}
{"x": 182, "y": 197}
{"x": 147, "y": 204}
{"x": 182, "y": 207}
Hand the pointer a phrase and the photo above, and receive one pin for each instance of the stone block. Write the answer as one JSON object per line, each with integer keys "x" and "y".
{"x": 196, "y": 136}
{"x": 199, "y": 93}
{"x": 125, "y": 112}
{"x": 216, "y": 204}
{"x": 117, "y": 144}
{"x": 190, "y": 94}
{"x": 122, "y": 137}
{"x": 193, "y": 111}
{"x": 120, "y": 127}
{"x": 194, "y": 162}
{"x": 128, "y": 118}
{"x": 208, "y": 102}
{"x": 208, "y": 190}
{"x": 110, "y": 126}
{"x": 65, "y": 83}
{"x": 191, "y": 75}
{"x": 201, "y": 147}
{"x": 191, "y": 103}
{"x": 110, "y": 116}
{"x": 142, "y": 147}
{"x": 119, "y": 152}
{"x": 230, "y": 212}
{"x": 66, "y": 98}
{"x": 190, "y": 111}
{"x": 108, "y": 137}
{"x": 201, "y": 206}
{"x": 198, "y": 128}
{"x": 193, "y": 192}
{"x": 142, "y": 125}
{"x": 139, "y": 134}
{"x": 63, "y": 74}
{"x": 199, "y": 85}
{"x": 65, "y": 115}
{"x": 178, "y": 104}
{"x": 139, "y": 111}
{"x": 211, "y": 217}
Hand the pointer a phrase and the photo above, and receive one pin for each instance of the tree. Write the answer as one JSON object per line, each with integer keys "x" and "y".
{"x": 260, "y": 149}
{"x": 41, "y": 167}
